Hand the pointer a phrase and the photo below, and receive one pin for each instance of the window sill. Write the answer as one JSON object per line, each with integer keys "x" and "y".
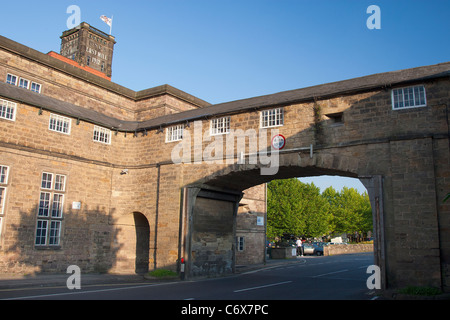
{"x": 51, "y": 248}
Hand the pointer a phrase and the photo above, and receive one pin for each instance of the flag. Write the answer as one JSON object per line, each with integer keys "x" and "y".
{"x": 106, "y": 20}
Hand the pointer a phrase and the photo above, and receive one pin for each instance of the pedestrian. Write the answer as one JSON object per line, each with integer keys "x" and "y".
{"x": 299, "y": 247}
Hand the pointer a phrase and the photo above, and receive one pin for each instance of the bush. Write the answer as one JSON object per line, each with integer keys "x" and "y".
{"x": 160, "y": 273}
{"x": 420, "y": 291}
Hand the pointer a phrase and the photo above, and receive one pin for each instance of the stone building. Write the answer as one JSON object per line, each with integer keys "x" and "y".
{"x": 67, "y": 135}
{"x": 100, "y": 176}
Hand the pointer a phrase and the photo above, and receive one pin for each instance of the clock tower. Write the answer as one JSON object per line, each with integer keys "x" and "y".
{"x": 89, "y": 47}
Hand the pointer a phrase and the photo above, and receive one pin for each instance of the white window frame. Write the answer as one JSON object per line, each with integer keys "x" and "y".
{"x": 9, "y": 77}
{"x": 60, "y": 182}
{"x": 57, "y": 205}
{"x": 4, "y": 172}
{"x": 3, "y": 191}
{"x": 174, "y": 133}
{"x": 39, "y": 230}
{"x": 220, "y": 126}
{"x": 48, "y": 182}
{"x": 102, "y": 135}
{"x": 36, "y": 85}
{"x": 8, "y": 110}
{"x": 50, "y": 209}
{"x": 409, "y": 97}
{"x": 4, "y": 176}
{"x": 271, "y": 118}
{"x": 44, "y": 204}
{"x": 60, "y": 124}
{"x": 21, "y": 83}
{"x": 54, "y": 237}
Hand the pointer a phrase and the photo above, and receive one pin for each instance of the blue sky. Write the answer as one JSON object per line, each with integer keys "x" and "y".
{"x": 224, "y": 50}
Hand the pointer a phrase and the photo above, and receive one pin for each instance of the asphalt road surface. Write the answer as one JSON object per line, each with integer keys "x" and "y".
{"x": 308, "y": 278}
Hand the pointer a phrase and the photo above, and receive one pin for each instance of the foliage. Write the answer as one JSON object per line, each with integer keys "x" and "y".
{"x": 299, "y": 209}
{"x": 420, "y": 291}
{"x": 447, "y": 197}
{"x": 159, "y": 273}
{"x": 295, "y": 208}
{"x": 350, "y": 210}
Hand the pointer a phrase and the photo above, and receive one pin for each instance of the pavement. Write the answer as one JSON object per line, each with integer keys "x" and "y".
{"x": 17, "y": 281}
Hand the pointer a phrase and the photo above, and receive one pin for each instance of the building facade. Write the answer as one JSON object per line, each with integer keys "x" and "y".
{"x": 113, "y": 180}
{"x": 63, "y": 197}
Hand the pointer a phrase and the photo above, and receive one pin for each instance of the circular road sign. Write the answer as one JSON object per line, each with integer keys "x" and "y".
{"x": 278, "y": 142}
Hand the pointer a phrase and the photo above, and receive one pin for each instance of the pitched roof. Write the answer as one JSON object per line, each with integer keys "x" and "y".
{"x": 361, "y": 84}
{"x": 371, "y": 82}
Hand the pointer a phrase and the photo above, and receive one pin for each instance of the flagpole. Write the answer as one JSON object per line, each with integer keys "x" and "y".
{"x": 110, "y": 27}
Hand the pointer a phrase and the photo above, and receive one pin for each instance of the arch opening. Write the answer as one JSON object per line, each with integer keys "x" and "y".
{"x": 238, "y": 182}
{"x": 142, "y": 229}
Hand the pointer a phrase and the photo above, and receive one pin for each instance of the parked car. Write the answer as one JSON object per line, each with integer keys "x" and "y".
{"x": 312, "y": 249}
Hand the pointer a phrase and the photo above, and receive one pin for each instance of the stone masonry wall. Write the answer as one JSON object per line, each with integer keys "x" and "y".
{"x": 408, "y": 148}
{"x": 345, "y": 249}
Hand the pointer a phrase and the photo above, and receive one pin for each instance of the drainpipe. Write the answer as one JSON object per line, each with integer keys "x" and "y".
{"x": 265, "y": 226}
{"x": 158, "y": 166}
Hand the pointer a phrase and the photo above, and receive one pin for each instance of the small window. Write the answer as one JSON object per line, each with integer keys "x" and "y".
{"x": 44, "y": 204}
{"x": 220, "y": 126}
{"x": 41, "y": 233}
{"x": 4, "y": 174}
{"x": 59, "y": 124}
{"x": 60, "y": 182}
{"x": 410, "y": 97}
{"x": 240, "y": 243}
{"x": 47, "y": 179}
{"x": 3, "y": 186}
{"x": 24, "y": 83}
{"x": 35, "y": 87}
{"x": 174, "y": 133}
{"x": 11, "y": 79}
{"x": 2, "y": 199}
{"x": 8, "y": 110}
{"x": 102, "y": 135}
{"x": 336, "y": 118}
{"x": 272, "y": 118}
{"x": 55, "y": 233}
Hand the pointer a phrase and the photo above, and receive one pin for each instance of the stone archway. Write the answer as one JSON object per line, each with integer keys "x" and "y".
{"x": 219, "y": 197}
{"x": 133, "y": 237}
{"x": 142, "y": 229}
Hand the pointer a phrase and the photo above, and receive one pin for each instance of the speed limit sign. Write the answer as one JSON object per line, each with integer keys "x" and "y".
{"x": 278, "y": 142}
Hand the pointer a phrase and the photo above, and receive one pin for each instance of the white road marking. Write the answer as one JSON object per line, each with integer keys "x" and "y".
{"x": 325, "y": 274}
{"x": 265, "y": 286}
{"x": 86, "y": 292}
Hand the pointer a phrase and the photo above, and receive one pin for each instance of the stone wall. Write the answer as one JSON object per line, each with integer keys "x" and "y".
{"x": 407, "y": 148}
{"x": 251, "y": 208}
{"x": 336, "y": 249}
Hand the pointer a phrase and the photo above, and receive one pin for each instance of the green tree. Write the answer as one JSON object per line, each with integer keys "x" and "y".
{"x": 350, "y": 210}
{"x": 295, "y": 208}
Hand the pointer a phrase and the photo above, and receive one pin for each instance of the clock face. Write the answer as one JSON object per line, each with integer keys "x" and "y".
{"x": 278, "y": 142}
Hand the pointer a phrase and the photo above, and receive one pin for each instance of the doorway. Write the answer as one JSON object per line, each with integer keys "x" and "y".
{"x": 142, "y": 228}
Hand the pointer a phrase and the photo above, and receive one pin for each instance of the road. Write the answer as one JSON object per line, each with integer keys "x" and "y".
{"x": 308, "y": 278}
